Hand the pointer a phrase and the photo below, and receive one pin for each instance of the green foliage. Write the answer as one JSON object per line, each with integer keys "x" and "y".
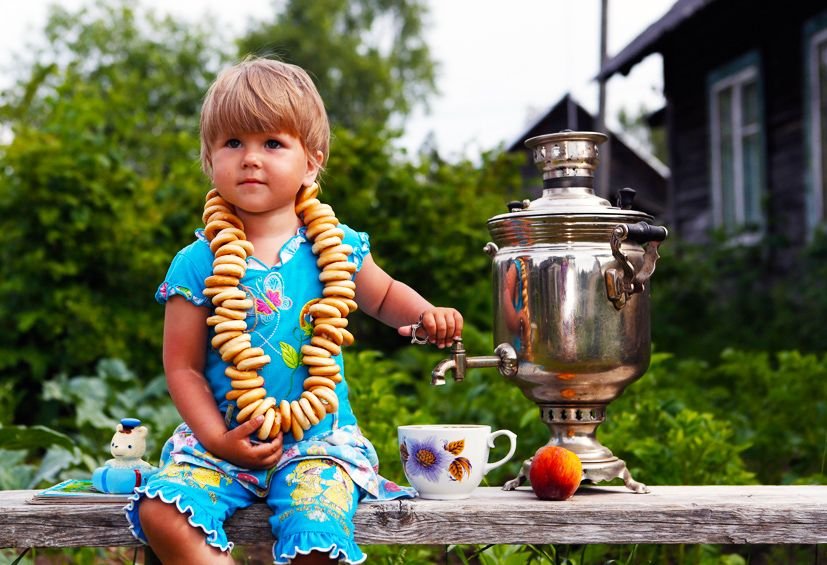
{"x": 750, "y": 415}
{"x": 426, "y": 220}
{"x": 87, "y": 410}
{"x": 510, "y": 555}
{"x": 91, "y": 406}
{"x": 565, "y": 554}
{"x": 699, "y": 448}
{"x": 368, "y": 58}
{"x": 100, "y": 185}
{"x": 23, "y": 437}
{"x": 763, "y": 297}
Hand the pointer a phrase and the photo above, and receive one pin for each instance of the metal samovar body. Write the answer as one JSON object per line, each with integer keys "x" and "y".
{"x": 571, "y": 316}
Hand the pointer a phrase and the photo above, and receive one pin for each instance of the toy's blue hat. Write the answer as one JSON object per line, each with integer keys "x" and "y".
{"x": 130, "y": 423}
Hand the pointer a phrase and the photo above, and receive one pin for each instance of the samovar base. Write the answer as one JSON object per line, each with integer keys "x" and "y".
{"x": 594, "y": 472}
{"x": 574, "y": 428}
{"x": 599, "y": 472}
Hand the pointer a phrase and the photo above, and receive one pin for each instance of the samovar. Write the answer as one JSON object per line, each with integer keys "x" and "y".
{"x": 571, "y": 316}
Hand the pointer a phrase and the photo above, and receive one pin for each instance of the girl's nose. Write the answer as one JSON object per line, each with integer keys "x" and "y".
{"x": 251, "y": 159}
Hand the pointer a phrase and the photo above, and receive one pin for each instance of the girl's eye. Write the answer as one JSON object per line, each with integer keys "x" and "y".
{"x": 233, "y": 143}
{"x": 272, "y": 144}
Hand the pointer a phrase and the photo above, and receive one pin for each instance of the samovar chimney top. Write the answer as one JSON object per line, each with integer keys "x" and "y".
{"x": 566, "y": 154}
{"x": 567, "y": 160}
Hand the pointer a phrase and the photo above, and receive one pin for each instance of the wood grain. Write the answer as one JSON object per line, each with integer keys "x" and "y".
{"x": 700, "y": 514}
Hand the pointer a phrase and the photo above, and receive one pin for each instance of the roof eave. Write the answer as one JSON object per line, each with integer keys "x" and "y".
{"x": 652, "y": 38}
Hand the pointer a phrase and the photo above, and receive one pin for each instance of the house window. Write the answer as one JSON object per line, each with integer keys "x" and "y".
{"x": 737, "y": 145}
{"x": 815, "y": 37}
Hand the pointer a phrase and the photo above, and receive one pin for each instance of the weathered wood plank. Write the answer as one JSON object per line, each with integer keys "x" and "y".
{"x": 709, "y": 514}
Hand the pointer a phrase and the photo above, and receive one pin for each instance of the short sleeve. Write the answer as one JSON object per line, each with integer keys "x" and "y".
{"x": 186, "y": 274}
{"x": 359, "y": 241}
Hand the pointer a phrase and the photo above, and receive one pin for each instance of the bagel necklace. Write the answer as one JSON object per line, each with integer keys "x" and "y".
{"x": 230, "y": 247}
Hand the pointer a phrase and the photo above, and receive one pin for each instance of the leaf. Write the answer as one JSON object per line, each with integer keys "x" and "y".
{"x": 55, "y": 460}
{"x": 459, "y": 468}
{"x": 22, "y": 437}
{"x": 289, "y": 355}
{"x": 403, "y": 452}
{"x": 455, "y": 447}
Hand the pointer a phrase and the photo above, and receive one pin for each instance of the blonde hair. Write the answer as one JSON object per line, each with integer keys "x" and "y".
{"x": 262, "y": 95}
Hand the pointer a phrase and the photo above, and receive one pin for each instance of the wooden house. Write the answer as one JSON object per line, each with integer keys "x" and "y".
{"x": 745, "y": 83}
{"x": 630, "y": 166}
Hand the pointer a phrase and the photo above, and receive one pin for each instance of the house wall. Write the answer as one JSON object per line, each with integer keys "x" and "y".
{"x": 716, "y": 36}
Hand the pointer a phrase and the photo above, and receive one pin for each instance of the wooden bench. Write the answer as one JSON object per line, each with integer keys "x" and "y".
{"x": 610, "y": 515}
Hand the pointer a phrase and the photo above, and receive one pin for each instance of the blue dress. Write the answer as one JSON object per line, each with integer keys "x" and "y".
{"x": 278, "y": 323}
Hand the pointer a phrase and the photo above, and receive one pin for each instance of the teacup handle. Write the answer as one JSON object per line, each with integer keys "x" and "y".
{"x": 512, "y": 437}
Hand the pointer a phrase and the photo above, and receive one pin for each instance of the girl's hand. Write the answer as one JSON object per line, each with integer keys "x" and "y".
{"x": 441, "y": 324}
{"x": 236, "y": 447}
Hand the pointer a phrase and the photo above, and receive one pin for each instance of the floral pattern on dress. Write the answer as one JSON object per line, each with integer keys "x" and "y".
{"x": 166, "y": 291}
{"x": 195, "y": 476}
{"x": 269, "y": 299}
{"x": 346, "y": 446}
{"x": 310, "y": 487}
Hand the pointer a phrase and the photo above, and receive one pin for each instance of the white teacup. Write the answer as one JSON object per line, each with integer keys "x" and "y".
{"x": 448, "y": 461}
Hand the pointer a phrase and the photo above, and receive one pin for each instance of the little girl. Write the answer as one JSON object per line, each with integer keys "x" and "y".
{"x": 255, "y": 319}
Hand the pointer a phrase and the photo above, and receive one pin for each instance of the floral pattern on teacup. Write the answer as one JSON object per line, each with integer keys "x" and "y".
{"x": 428, "y": 459}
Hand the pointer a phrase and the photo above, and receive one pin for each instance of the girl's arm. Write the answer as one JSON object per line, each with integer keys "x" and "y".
{"x": 398, "y": 305}
{"x": 185, "y": 342}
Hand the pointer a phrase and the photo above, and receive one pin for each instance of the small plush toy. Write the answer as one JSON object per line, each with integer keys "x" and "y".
{"x": 127, "y": 470}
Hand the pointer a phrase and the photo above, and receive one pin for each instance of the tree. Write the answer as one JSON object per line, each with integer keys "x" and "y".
{"x": 368, "y": 57}
{"x": 101, "y": 184}
{"x": 426, "y": 220}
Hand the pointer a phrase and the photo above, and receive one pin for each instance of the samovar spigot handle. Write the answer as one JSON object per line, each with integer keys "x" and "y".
{"x": 622, "y": 283}
{"x": 455, "y": 363}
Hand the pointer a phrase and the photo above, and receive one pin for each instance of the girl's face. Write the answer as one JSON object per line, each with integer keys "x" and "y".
{"x": 261, "y": 172}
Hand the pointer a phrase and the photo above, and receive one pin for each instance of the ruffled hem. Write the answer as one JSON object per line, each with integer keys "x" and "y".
{"x": 213, "y": 532}
{"x": 345, "y": 550}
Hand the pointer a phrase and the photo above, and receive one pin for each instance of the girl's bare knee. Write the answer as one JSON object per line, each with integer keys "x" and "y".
{"x": 155, "y": 513}
{"x": 162, "y": 522}
{"x": 172, "y": 537}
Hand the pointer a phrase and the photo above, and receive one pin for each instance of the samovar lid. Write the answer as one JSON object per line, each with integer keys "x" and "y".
{"x": 567, "y": 161}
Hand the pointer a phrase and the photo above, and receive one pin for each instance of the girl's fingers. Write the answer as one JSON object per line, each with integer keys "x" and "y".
{"x": 450, "y": 329}
{"x": 440, "y": 328}
{"x": 441, "y": 324}
{"x": 248, "y": 427}
{"x": 457, "y": 324}
{"x": 429, "y": 322}
{"x": 268, "y": 453}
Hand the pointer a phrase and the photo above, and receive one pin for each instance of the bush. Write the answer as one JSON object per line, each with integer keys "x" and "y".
{"x": 765, "y": 297}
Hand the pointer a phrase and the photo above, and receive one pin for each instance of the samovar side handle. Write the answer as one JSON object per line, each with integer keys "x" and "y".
{"x": 623, "y": 283}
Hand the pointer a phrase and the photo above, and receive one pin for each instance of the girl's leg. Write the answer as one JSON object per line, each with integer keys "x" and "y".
{"x": 173, "y": 539}
{"x": 313, "y": 503}
{"x": 181, "y": 513}
{"x": 314, "y": 558}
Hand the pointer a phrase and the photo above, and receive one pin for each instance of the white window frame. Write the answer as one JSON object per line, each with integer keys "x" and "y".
{"x": 815, "y": 196}
{"x": 739, "y": 131}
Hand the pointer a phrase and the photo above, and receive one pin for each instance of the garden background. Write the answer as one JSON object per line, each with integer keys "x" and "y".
{"x": 101, "y": 186}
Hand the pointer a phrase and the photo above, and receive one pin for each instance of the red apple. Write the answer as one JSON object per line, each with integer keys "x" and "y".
{"x": 555, "y": 473}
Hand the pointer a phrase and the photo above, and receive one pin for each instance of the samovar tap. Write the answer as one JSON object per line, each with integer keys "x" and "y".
{"x": 505, "y": 360}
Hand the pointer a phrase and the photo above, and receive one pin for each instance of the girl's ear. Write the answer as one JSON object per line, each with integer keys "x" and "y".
{"x": 313, "y": 167}
{"x": 206, "y": 166}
